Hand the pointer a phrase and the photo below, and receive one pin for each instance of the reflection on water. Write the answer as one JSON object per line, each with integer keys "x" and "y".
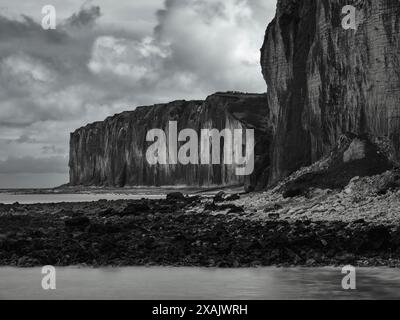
{"x": 199, "y": 284}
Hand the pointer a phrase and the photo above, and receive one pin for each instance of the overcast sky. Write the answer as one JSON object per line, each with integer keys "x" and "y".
{"x": 108, "y": 56}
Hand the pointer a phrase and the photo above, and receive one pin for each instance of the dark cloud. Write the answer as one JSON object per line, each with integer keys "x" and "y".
{"x": 85, "y": 17}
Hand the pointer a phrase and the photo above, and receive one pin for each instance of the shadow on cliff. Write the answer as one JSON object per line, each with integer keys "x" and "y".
{"x": 354, "y": 156}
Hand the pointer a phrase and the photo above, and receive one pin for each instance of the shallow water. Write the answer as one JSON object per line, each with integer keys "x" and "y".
{"x": 136, "y": 283}
{"x": 9, "y": 198}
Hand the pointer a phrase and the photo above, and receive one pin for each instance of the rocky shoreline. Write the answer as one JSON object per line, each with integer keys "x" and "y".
{"x": 188, "y": 231}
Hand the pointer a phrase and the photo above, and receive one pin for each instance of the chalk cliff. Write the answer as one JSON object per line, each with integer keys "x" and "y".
{"x": 113, "y": 152}
{"x": 324, "y": 81}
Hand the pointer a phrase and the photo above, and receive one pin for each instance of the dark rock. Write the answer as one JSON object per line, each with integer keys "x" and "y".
{"x": 77, "y": 222}
{"x": 353, "y": 156}
{"x": 293, "y": 192}
{"x": 235, "y": 209}
{"x": 273, "y": 216}
{"x": 136, "y": 208}
{"x": 395, "y": 238}
{"x": 378, "y": 238}
{"x": 272, "y": 208}
{"x": 27, "y": 262}
{"x": 103, "y": 228}
{"x": 249, "y": 188}
{"x": 345, "y": 258}
{"x": 107, "y": 212}
{"x": 175, "y": 196}
{"x": 232, "y": 197}
{"x": 389, "y": 181}
{"x": 230, "y": 207}
{"x": 220, "y": 197}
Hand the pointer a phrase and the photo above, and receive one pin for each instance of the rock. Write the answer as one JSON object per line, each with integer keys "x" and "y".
{"x": 388, "y": 181}
{"x": 230, "y": 207}
{"x": 346, "y": 258}
{"x": 249, "y": 188}
{"x": 236, "y": 209}
{"x": 324, "y": 81}
{"x": 175, "y": 196}
{"x": 107, "y": 212}
{"x": 338, "y": 174}
{"x": 136, "y": 208}
{"x": 274, "y": 207}
{"x": 395, "y": 238}
{"x": 220, "y": 197}
{"x": 232, "y": 197}
{"x": 27, "y": 262}
{"x": 113, "y": 152}
{"x": 293, "y": 192}
{"x": 273, "y": 216}
{"x": 324, "y": 242}
{"x": 77, "y": 222}
{"x": 378, "y": 238}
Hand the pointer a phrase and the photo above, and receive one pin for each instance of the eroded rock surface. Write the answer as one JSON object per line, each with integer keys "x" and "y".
{"x": 113, "y": 152}
{"x": 324, "y": 81}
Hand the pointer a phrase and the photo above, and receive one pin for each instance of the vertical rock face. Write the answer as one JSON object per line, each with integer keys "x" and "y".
{"x": 113, "y": 152}
{"x": 324, "y": 80}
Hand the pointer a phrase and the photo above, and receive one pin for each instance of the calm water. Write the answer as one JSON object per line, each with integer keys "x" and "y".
{"x": 195, "y": 283}
{"x": 9, "y": 198}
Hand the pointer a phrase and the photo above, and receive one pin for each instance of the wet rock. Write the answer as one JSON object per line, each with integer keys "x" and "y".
{"x": 222, "y": 196}
{"x": 235, "y": 209}
{"x": 346, "y": 258}
{"x": 136, "y": 208}
{"x": 378, "y": 237}
{"x": 27, "y": 262}
{"x": 232, "y": 197}
{"x": 107, "y": 212}
{"x": 274, "y": 207}
{"x": 230, "y": 207}
{"x": 176, "y": 196}
{"x": 273, "y": 216}
{"x": 181, "y": 238}
{"x": 77, "y": 222}
{"x": 106, "y": 228}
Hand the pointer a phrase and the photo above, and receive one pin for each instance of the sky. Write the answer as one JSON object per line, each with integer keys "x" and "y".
{"x": 109, "y": 56}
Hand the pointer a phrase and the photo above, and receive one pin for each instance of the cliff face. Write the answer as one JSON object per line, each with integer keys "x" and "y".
{"x": 324, "y": 80}
{"x": 113, "y": 152}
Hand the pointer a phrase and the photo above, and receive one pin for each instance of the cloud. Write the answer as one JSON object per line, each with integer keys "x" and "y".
{"x": 219, "y": 42}
{"x": 27, "y": 164}
{"x": 54, "y": 81}
{"x": 87, "y": 16}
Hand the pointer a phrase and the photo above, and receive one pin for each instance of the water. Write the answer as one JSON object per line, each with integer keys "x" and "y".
{"x": 9, "y": 198}
{"x": 136, "y": 283}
